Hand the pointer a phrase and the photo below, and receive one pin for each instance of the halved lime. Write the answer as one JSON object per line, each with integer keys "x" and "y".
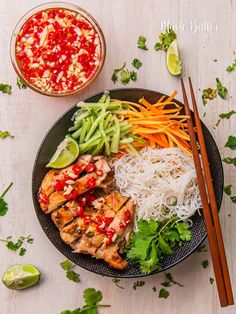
{"x": 66, "y": 153}
{"x": 173, "y": 62}
{"x": 21, "y": 276}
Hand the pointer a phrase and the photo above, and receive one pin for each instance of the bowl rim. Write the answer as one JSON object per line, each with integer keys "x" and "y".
{"x": 63, "y": 5}
{"x": 36, "y": 203}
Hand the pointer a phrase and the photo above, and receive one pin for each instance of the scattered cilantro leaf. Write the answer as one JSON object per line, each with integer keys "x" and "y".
{"x": 92, "y": 298}
{"x": 211, "y": 280}
{"x": 125, "y": 76}
{"x": 228, "y": 189}
{"x": 5, "y": 88}
{"x": 222, "y": 90}
{"x": 142, "y": 43}
{"x": 70, "y": 274}
{"x": 205, "y": 263}
{"x": 227, "y": 115}
{"x": 201, "y": 249}
{"x": 231, "y": 142}
{"x": 116, "y": 282}
{"x": 165, "y": 39}
{"x": 3, "y": 203}
{"x": 4, "y": 134}
{"x": 137, "y": 63}
{"x": 163, "y": 293}
{"x": 233, "y": 199}
{"x": 169, "y": 281}
{"x": 20, "y": 83}
{"x": 138, "y": 284}
{"x": 18, "y": 245}
{"x": 229, "y": 160}
{"x": 208, "y": 94}
{"x": 231, "y": 67}
{"x": 114, "y": 77}
{"x": 133, "y": 76}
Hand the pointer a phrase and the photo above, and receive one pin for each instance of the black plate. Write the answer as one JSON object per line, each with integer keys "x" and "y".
{"x": 49, "y": 144}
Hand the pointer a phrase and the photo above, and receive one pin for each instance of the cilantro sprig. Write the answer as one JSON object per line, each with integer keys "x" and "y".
{"x": 19, "y": 245}
{"x": 5, "y": 88}
{"x": 154, "y": 239}
{"x": 138, "y": 284}
{"x": 231, "y": 142}
{"x": 142, "y": 43}
{"x": 231, "y": 67}
{"x": 169, "y": 281}
{"x": 227, "y": 115}
{"x": 70, "y": 273}
{"x": 221, "y": 89}
{"x": 3, "y": 203}
{"x": 230, "y": 160}
{"x": 92, "y": 298}
{"x": 165, "y": 39}
{"x": 20, "y": 83}
{"x": 124, "y": 75}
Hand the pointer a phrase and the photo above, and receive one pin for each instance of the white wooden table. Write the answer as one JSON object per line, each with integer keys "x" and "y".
{"x": 29, "y": 115}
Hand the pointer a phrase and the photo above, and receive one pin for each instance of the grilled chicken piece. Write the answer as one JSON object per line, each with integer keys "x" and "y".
{"x": 73, "y": 231}
{"x": 65, "y": 214}
{"x": 111, "y": 256}
{"x": 58, "y": 198}
{"x": 115, "y": 200}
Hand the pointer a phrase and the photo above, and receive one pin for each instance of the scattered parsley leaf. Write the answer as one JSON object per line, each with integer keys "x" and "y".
{"x": 125, "y": 76}
{"x": 231, "y": 142}
{"x": 133, "y": 76}
{"x": 114, "y": 77}
{"x": 163, "y": 293}
{"x": 18, "y": 245}
{"x": 165, "y": 39}
{"x": 228, "y": 189}
{"x": 20, "y": 83}
{"x": 70, "y": 274}
{"x": 222, "y": 90}
{"x": 231, "y": 67}
{"x": 211, "y": 280}
{"x": 138, "y": 284}
{"x": 116, "y": 282}
{"x": 142, "y": 43}
{"x": 229, "y": 160}
{"x": 205, "y": 263}
{"x": 137, "y": 63}
{"x": 4, "y": 134}
{"x": 227, "y": 115}
{"x": 201, "y": 249}
{"x": 5, "y": 88}
{"x": 3, "y": 203}
{"x": 169, "y": 281}
{"x": 233, "y": 199}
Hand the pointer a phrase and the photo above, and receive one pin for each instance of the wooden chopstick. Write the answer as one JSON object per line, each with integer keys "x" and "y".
{"x": 212, "y": 199}
{"x": 206, "y": 210}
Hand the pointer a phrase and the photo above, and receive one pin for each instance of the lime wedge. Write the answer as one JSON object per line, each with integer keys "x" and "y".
{"x": 173, "y": 62}
{"x": 66, "y": 153}
{"x": 21, "y": 276}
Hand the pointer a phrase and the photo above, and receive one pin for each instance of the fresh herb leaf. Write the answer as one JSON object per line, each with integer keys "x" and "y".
{"x": 3, "y": 203}
{"x": 231, "y": 142}
{"x": 116, "y": 282}
{"x": 5, "y": 88}
{"x": 165, "y": 39}
{"x": 114, "y": 77}
{"x": 133, "y": 76}
{"x": 231, "y": 67}
{"x": 208, "y": 94}
{"x": 233, "y": 199}
{"x": 205, "y": 263}
{"x": 142, "y": 43}
{"x": 20, "y": 83}
{"x": 138, "y": 284}
{"x": 169, "y": 281}
{"x": 222, "y": 90}
{"x": 229, "y": 160}
{"x": 4, "y": 134}
{"x": 163, "y": 293}
{"x": 227, "y": 115}
{"x": 18, "y": 245}
{"x": 137, "y": 63}
{"x": 201, "y": 249}
{"x": 228, "y": 189}
{"x": 211, "y": 280}
{"x": 70, "y": 274}
{"x": 125, "y": 76}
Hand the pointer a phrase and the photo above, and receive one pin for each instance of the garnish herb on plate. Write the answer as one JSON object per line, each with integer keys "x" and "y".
{"x": 124, "y": 75}
{"x": 231, "y": 67}
{"x": 70, "y": 274}
{"x": 169, "y": 280}
{"x": 137, "y": 63}
{"x": 228, "y": 189}
{"x": 205, "y": 263}
{"x": 138, "y": 284}
{"x": 165, "y": 39}
{"x": 114, "y": 77}
{"x": 19, "y": 245}
{"x": 154, "y": 239}
{"x": 208, "y": 94}
{"x": 163, "y": 293}
{"x": 3, "y": 203}
{"x": 20, "y": 83}
{"x": 201, "y": 249}
{"x": 4, "y": 134}
{"x": 222, "y": 90}
{"x": 231, "y": 142}
{"x": 142, "y": 43}
{"x": 92, "y": 298}
{"x": 229, "y": 160}
{"x": 116, "y": 282}
{"x": 5, "y": 88}
{"x": 227, "y": 115}
{"x": 211, "y": 280}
